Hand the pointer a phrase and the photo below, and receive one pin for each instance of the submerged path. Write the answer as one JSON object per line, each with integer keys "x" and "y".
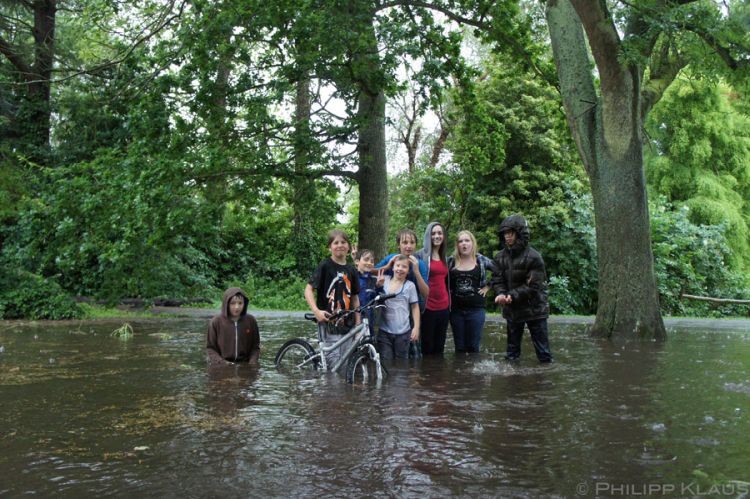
{"x": 682, "y": 322}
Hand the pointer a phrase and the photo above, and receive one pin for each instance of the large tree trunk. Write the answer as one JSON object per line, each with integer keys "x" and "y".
{"x": 303, "y": 241}
{"x": 33, "y": 119}
{"x": 607, "y": 131}
{"x": 40, "y": 85}
{"x": 373, "y": 174}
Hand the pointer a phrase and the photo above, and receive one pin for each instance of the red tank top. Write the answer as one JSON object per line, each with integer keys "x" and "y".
{"x": 438, "y": 298}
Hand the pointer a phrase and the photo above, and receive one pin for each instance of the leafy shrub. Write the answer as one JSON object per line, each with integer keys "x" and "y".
{"x": 287, "y": 293}
{"x": 24, "y": 295}
{"x": 693, "y": 259}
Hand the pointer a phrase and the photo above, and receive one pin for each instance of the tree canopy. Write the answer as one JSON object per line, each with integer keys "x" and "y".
{"x": 172, "y": 148}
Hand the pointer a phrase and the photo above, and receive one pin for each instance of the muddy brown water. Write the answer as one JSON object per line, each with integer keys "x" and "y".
{"x": 85, "y": 413}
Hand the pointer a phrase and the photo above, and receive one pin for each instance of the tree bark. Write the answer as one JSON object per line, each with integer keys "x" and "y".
{"x": 33, "y": 122}
{"x": 607, "y": 132}
{"x": 372, "y": 174}
{"x": 303, "y": 189}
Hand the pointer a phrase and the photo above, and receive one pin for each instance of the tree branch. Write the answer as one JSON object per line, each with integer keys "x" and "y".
{"x": 9, "y": 51}
{"x": 255, "y": 172}
{"x": 603, "y": 40}
{"x": 576, "y": 81}
{"x": 447, "y": 12}
{"x": 664, "y": 68}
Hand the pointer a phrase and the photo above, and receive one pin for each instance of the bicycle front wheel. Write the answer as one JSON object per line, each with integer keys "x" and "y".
{"x": 296, "y": 355}
{"x": 363, "y": 368}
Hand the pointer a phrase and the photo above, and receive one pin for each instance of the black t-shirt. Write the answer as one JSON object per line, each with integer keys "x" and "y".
{"x": 465, "y": 288}
{"x": 335, "y": 285}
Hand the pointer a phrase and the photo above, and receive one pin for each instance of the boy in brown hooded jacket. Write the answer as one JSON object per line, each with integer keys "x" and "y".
{"x": 233, "y": 335}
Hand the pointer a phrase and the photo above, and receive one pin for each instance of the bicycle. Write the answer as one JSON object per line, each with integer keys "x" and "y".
{"x": 362, "y": 358}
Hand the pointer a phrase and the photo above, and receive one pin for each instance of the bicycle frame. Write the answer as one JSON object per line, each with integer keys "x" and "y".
{"x": 359, "y": 356}
{"x": 355, "y": 331}
{"x": 345, "y": 356}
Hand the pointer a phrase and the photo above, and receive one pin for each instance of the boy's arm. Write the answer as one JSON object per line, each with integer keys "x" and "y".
{"x": 420, "y": 274}
{"x": 320, "y": 315}
{"x": 212, "y": 345}
{"x": 415, "y": 317}
{"x": 255, "y": 352}
{"x": 386, "y": 263}
{"x": 355, "y": 305}
{"x": 498, "y": 278}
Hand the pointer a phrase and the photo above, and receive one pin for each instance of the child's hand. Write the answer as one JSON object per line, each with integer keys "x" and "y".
{"x": 381, "y": 278}
{"x": 321, "y": 315}
{"x": 414, "y": 263}
{"x": 414, "y": 334}
{"x": 484, "y": 291}
{"x": 503, "y": 299}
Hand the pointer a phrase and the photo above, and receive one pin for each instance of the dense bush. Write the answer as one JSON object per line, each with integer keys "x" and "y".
{"x": 28, "y": 296}
{"x": 693, "y": 259}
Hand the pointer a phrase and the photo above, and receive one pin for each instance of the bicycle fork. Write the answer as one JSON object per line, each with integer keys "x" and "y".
{"x": 376, "y": 357}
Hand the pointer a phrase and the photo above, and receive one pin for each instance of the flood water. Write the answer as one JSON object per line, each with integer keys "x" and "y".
{"x": 85, "y": 413}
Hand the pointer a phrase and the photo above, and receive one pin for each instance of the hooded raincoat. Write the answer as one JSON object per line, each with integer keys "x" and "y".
{"x": 233, "y": 340}
{"x": 521, "y": 274}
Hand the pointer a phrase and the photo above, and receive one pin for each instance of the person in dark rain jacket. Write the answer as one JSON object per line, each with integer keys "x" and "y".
{"x": 233, "y": 335}
{"x": 520, "y": 286}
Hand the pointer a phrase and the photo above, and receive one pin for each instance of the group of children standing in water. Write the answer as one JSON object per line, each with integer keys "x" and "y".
{"x": 432, "y": 290}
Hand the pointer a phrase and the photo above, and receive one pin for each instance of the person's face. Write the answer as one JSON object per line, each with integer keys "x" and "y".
{"x": 465, "y": 246}
{"x": 406, "y": 245}
{"x": 366, "y": 263}
{"x": 510, "y": 237}
{"x": 236, "y": 304}
{"x": 401, "y": 269}
{"x": 339, "y": 247}
{"x": 437, "y": 236}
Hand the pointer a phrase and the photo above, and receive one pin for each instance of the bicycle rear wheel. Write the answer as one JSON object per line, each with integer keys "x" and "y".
{"x": 364, "y": 369}
{"x": 296, "y": 355}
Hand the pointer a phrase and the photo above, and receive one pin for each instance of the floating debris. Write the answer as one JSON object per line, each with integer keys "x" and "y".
{"x": 124, "y": 332}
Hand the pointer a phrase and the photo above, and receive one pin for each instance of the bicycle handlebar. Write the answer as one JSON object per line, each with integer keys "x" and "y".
{"x": 375, "y": 302}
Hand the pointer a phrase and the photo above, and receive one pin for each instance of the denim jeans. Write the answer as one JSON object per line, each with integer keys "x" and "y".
{"x": 467, "y": 325}
{"x": 539, "y": 337}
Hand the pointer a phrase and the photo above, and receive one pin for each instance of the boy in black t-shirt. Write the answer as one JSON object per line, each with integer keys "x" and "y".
{"x": 334, "y": 286}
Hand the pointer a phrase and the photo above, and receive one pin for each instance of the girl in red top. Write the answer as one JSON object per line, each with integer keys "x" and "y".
{"x": 437, "y": 309}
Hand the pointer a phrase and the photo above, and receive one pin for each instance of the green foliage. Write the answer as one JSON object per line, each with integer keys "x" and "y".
{"x": 692, "y": 258}
{"x": 285, "y": 293}
{"x": 24, "y": 295}
{"x": 511, "y": 153}
{"x": 701, "y": 159}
